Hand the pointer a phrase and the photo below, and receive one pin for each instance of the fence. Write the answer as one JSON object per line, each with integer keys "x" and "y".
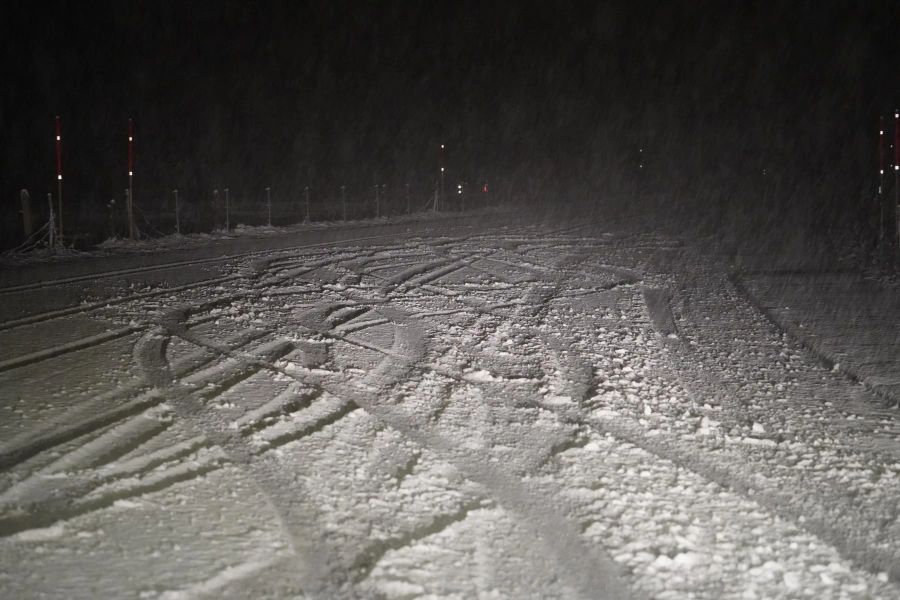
{"x": 181, "y": 212}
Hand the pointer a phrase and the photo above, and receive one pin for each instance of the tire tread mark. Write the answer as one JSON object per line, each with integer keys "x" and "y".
{"x": 59, "y": 509}
{"x": 93, "y": 306}
{"x": 366, "y": 561}
{"x": 81, "y": 344}
{"x": 327, "y": 411}
{"x": 84, "y": 419}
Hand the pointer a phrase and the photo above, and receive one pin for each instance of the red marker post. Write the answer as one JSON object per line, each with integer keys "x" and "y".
{"x": 440, "y": 201}
{"x": 880, "y": 198}
{"x": 881, "y": 156}
{"x": 131, "y": 230}
{"x": 59, "y": 173}
{"x": 896, "y": 177}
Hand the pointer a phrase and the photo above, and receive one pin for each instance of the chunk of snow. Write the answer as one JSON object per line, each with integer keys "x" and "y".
{"x": 44, "y": 534}
{"x": 791, "y": 580}
{"x": 479, "y": 376}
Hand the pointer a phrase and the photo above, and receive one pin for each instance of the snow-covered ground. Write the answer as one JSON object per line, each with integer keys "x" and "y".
{"x": 520, "y": 412}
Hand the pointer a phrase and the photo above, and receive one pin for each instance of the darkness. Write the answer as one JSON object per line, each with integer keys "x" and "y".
{"x": 764, "y": 108}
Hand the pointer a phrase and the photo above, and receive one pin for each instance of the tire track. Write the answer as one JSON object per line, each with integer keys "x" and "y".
{"x": 81, "y": 344}
{"x": 127, "y": 401}
{"x": 814, "y": 505}
{"x": 180, "y": 264}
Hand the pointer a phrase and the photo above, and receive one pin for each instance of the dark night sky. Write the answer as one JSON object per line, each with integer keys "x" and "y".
{"x": 554, "y": 97}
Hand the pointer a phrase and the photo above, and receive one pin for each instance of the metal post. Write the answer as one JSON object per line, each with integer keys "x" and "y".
{"x": 59, "y": 175}
{"x": 376, "y": 201}
{"x": 889, "y": 206}
{"x": 880, "y": 155}
{"x": 177, "y": 212}
{"x": 306, "y": 193}
{"x": 269, "y": 204}
{"x": 25, "y": 199}
{"x": 440, "y": 199}
{"x": 131, "y": 228}
{"x": 52, "y": 222}
{"x": 880, "y": 198}
{"x": 216, "y": 213}
{"x": 408, "y": 200}
{"x": 227, "y": 212}
{"x": 130, "y": 213}
{"x": 112, "y": 217}
{"x": 896, "y": 183}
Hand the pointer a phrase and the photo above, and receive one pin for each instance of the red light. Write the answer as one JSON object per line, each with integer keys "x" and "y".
{"x": 484, "y": 188}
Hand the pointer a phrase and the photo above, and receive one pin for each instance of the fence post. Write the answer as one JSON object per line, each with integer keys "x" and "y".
{"x": 269, "y": 204}
{"x": 59, "y": 174}
{"x": 52, "y": 223}
{"x": 112, "y": 218}
{"x": 306, "y": 193}
{"x": 888, "y": 206}
{"x": 216, "y": 213}
{"x": 440, "y": 197}
{"x": 177, "y": 213}
{"x": 131, "y": 178}
{"x": 25, "y": 198}
{"x": 344, "y": 200}
{"x": 227, "y": 212}
{"x": 130, "y": 210}
{"x": 893, "y": 212}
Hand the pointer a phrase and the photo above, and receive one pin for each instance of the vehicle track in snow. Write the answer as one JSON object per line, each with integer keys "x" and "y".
{"x": 150, "y": 354}
{"x": 382, "y": 398}
{"x": 728, "y": 355}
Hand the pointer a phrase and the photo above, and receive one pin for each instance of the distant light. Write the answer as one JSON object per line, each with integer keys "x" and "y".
{"x": 881, "y": 132}
{"x": 881, "y": 171}
{"x": 59, "y": 177}
{"x": 130, "y": 139}
{"x": 897, "y": 167}
{"x": 442, "y": 169}
{"x": 58, "y": 138}
{"x": 130, "y": 173}
{"x": 442, "y": 146}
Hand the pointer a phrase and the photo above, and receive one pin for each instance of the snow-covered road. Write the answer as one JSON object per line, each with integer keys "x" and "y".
{"x": 522, "y": 412}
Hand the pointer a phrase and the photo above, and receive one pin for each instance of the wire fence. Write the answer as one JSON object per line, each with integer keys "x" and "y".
{"x": 183, "y": 213}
